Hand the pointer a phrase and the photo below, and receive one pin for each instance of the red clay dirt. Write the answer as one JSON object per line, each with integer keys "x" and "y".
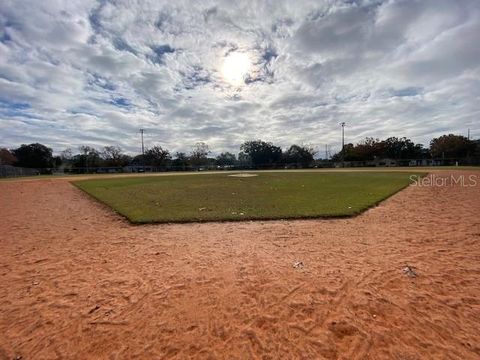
{"x": 79, "y": 282}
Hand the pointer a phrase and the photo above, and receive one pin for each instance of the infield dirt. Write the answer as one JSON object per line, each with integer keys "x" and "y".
{"x": 79, "y": 282}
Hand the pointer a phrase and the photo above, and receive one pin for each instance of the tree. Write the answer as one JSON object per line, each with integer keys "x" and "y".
{"x": 34, "y": 156}
{"x": 451, "y": 146}
{"x": 113, "y": 156}
{"x": 7, "y": 157}
{"x": 476, "y": 152}
{"x": 225, "y": 159}
{"x": 138, "y": 160}
{"x": 65, "y": 159}
{"x": 369, "y": 149}
{"x": 393, "y": 148}
{"x": 66, "y": 155}
{"x": 261, "y": 153}
{"x": 402, "y": 148}
{"x": 57, "y": 161}
{"x": 157, "y": 156}
{"x": 181, "y": 161}
{"x": 419, "y": 152}
{"x": 350, "y": 153}
{"x": 199, "y": 154}
{"x": 300, "y": 155}
{"x": 244, "y": 159}
{"x": 90, "y": 158}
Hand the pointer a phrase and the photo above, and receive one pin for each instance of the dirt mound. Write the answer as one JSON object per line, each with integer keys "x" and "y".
{"x": 243, "y": 175}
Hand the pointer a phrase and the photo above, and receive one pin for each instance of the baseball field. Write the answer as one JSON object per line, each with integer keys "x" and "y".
{"x": 259, "y": 265}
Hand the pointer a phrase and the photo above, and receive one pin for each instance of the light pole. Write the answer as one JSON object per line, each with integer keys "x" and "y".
{"x": 143, "y": 150}
{"x": 342, "y": 124}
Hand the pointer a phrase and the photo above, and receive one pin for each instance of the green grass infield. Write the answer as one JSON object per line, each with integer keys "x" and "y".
{"x": 265, "y": 195}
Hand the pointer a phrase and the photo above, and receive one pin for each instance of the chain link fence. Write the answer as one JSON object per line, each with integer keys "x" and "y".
{"x": 14, "y": 171}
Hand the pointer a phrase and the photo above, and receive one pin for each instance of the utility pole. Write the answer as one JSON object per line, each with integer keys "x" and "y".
{"x": 468, "y": 152}
{"x": 326, "y": 151}
{"x": 342, "y": 124}
{"x": 143, "y": 149}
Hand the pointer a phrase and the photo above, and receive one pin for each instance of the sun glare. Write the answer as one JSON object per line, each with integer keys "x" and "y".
{"x": 236, "y": 67}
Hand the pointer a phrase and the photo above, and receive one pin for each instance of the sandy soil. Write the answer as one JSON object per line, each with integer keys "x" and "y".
{"x": 79, "y": 282}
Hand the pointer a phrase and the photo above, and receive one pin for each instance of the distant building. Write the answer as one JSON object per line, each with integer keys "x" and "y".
{"x": 138, "y": 168}
{"x": 391, "y": 163}
{"x": 424, "y": 162}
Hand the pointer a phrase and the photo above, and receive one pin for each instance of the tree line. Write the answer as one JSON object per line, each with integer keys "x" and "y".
{"x": 255, "y": 154}
{"x": 252, "y": 153}
{"x": 444, "y": 147}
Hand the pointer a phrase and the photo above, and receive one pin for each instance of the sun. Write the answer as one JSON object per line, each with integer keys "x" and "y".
{"x": 236, "y": 67}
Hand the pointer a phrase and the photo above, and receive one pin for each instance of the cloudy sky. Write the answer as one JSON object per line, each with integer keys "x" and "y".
{"x": 94, "y": 72}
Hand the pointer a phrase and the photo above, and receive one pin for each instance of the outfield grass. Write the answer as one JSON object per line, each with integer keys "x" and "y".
{"x": 219, "y": 197}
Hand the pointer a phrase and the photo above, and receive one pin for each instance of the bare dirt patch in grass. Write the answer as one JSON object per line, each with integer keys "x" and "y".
{"x": 243, "y": 175}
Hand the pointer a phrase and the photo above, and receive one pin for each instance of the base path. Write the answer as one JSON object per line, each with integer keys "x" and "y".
{"x": 400, "y": 281}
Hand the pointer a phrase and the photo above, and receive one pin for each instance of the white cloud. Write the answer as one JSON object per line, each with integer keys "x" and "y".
{"x": 94, "y": 72}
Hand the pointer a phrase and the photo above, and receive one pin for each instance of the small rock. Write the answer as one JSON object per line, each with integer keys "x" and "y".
{"x": 409, "y": 271}
{"x": 92, "y": 310}
{"x": 298, "y": 265}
